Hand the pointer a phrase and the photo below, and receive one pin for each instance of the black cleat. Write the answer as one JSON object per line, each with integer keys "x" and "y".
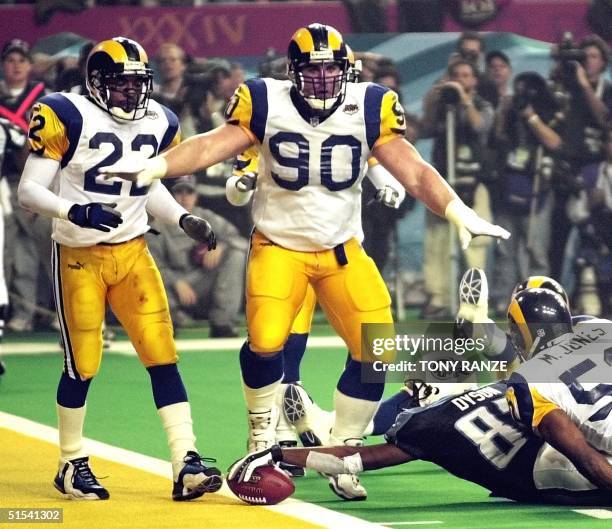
{"x": 195, "y": 478}
{"x": 77, "y": 482}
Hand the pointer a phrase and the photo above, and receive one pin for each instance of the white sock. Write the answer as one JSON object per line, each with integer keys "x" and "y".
{"x": 352, "y": 416}
{"x": 176, "y": 420}
{"x": 70, "y": 425}
{"x": 259, "y": 400}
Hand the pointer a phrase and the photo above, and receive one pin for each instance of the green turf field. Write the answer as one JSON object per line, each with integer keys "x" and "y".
{"x": 121, "y": 413}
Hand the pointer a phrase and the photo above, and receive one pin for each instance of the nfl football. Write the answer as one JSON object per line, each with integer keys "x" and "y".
{"x": 268, "y": 486}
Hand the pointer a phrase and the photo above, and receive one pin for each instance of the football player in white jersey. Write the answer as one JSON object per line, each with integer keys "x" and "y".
{"x": 564, "y": 390}
{"x": 100, "y": 255}
{"x": 315, "y": 133}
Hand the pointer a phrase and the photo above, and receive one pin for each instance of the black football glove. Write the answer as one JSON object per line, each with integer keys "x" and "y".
{"x": 243, "y": 469}
{"x": 246, "y": 182}
{"x": 95, "y": 215}
{"x": 199, "y": 230}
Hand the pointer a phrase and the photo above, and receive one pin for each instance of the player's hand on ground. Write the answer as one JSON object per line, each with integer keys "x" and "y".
{"x": 243, "y": 469}
{"x": 389, "y": 197}
{"x": 136, "y": 168}
{"x": 199, "y": 230}
{"x": 95, "y": 215}
{"x": 469, "y": 224}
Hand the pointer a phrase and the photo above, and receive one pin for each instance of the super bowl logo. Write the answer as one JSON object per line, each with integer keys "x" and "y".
{"x": 475, "y": 12}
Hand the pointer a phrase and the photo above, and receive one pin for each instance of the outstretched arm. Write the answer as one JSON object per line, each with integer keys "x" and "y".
{"x": 424, "y": 183}
{"x": 418, "y": 177}
{"x": 327, "y": 460}
{"x": 195, "y": 153}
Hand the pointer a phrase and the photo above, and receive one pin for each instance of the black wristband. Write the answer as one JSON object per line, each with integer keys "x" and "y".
{"x": 183, "y": 218}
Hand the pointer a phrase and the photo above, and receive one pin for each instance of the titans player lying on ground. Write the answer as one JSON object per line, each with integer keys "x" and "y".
{"x": 99, "y": 252}
{"x": 315, "y": 133}
{"x": 565, "y": 459}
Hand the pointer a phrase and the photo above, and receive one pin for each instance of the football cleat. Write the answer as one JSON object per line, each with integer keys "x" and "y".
{"x": 347, "y": 486}
{"x": 312, "y": 424}
{"x": 473, "y": 297}
{"x": 195, "y": 478}
{"x": 2, "y": 367}
{"x": 262, "y": 429}
{"x": 76, "y": 481}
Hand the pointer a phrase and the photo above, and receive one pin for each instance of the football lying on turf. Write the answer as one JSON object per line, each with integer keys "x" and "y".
{"x": 267, "y": 486}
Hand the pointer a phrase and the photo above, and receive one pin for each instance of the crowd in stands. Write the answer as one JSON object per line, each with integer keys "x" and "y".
{"x": 533, "y": 154}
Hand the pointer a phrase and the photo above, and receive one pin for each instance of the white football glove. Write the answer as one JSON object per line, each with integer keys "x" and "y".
{"x": 243, "y": 468}
{"x": 469, "y": 224}
{"x": 136, "y": 168}
{"x": 389, "y": 197}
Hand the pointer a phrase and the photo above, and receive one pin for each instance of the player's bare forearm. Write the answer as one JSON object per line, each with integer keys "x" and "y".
{"x": 418, "y": 177}
{"x": 559, "y": 431}
{"x": 372, "y": 457}
{"x": 203, "y": 150}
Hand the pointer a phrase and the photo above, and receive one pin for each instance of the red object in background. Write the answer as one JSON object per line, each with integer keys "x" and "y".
{"x": 222, "y": 30}
{"x": 267, "y": 486}
{"x": 198, "y": 252}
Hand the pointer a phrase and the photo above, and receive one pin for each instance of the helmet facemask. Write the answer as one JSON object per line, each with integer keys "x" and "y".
{"x": 124, "y": 95}
{"x": 319, "y": 86}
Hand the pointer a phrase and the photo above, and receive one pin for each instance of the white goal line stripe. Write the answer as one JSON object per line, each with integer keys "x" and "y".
{"x": 301, "y": 510}
{"x": 125, "y": 347}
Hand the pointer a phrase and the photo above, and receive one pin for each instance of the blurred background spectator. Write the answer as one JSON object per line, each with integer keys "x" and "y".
{"x": 473, "y": 119}
{"x": 27, "y": 254}
{"x": 526, "y": 137}
{"x": 199, "y": 283}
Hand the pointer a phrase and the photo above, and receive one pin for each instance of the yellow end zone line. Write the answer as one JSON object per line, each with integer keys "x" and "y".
{"x": 125, "y": 347}
{"x": 303, "y": 511}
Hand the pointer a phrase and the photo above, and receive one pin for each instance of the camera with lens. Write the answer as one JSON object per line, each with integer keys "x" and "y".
{"x": 449, "y": 95}
{"x": 522, "y": 100}
{"x": 569, "y": 55}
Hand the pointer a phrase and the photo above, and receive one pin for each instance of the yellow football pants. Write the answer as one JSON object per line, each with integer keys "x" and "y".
{"x": 277, "y": 284}
{"x": 124, "y": 274}
{"x": 303, "y": 320}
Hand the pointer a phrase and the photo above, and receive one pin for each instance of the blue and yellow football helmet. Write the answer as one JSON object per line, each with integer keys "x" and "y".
{"x": 541, "y": 282}
{"x": 535, "y": 317}
{"x": 119, "y": 79}
{"x": 318, "y": 44}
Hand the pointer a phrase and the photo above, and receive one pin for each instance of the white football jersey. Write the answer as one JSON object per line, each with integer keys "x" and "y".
{"x": 574, "y": 375}
{"x": 308, "y": 194}
{"x": 73, "y": 130}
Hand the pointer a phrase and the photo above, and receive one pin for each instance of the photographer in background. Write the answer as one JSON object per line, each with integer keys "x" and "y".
{"x": 474, "y": 119}
{"x": 586, "y": 99}
{"x": 526, "y": 136}
{"x": 591, "y": 212}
